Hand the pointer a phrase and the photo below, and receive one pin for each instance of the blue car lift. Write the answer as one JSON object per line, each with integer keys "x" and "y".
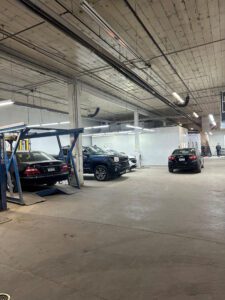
{"x": 3, "y": 203}
{"x": 22, "y": 132}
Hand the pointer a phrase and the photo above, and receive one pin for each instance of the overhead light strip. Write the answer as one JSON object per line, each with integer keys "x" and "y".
{"x": 6, "y": 102}
{"x": 195, "y": 115}
{"x": 96, "y": 127}
{"x": 178, "y": 97}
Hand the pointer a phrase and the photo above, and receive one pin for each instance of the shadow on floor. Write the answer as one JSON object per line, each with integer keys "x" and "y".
{"x": 179, "y": 172}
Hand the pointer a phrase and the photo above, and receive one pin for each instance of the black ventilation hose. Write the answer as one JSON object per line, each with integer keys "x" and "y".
{"x": 95, "y": 113}
{"x": 185, "y": 102}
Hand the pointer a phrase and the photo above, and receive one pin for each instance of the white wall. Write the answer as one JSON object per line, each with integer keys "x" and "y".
{"x": 119, "y": 142}
{"x": 31, "y": 116}
{"x": 155, "y": 146}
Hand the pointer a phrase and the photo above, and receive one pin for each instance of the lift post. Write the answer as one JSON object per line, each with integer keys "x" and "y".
{"x": 24, "y": 132}
{"x": 3, "y": 203}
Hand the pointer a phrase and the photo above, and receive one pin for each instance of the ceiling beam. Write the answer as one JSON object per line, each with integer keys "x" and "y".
{"x": 113, "y": 99}
{"x": 68, "y": 29}
{"x": 9, "y": 54}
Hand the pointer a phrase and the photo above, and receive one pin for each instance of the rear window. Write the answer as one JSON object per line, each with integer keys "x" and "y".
{"x": 184, "y": 152}
{"x": 33, "y": 156}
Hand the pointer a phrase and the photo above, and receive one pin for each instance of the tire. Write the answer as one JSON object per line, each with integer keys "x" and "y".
{"x": 199, "y": 169}
{"x": 51, "y": 183}
{"x": 170, "y": 170}
{"x": 101, "y": 173}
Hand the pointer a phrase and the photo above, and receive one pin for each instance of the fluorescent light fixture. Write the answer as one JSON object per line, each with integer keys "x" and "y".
{"x": 96, "y": 127}
{"x": 178, "y": 97}
{"x": 64, "y": 122}
{"x": 35, "y": 125}
{"x": 212, "y": 120}
{"x": 50, "y": 124}
{"x": 195, "y": 115}
{"x": 134, "y": 127}
{"x": 192, "y": 128}
{"x": 6, "y": 102}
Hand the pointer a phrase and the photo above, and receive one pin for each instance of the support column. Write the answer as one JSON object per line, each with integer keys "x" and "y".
{"x": 137, "y": 139}
{"x": 74, "y": 97}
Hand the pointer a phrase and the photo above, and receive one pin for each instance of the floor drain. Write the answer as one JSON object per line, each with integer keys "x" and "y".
{"x": 4, "y": 297}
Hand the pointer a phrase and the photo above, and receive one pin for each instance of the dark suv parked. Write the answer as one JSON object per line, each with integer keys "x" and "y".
{"x": 103, "y": 165}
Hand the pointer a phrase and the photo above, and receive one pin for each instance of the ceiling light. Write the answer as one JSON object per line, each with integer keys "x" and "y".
{"x": 134, "y": 127}
{"x": 96, "y": 127}
{"x": 6, "y": 102}
{"x": 35, "y": 125}
{"x": 192, "y": 128}
{"x": 210, "y": 133}
{"x": 212, "y": 120}
{"x": 64, "y": 122}
{"x": 178, "y": 97}
{"x": 50, "y": 124}
{"x": 195, "y": 115}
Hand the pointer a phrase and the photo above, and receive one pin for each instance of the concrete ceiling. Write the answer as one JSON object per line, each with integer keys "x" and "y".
{"x": 190, "y": 32}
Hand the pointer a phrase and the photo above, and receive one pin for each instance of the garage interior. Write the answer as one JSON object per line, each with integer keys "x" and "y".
{"x": 137, "y": 80}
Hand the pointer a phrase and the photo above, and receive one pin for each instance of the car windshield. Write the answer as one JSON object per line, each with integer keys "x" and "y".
{"x": 33, "y": 156}
{"x": 94, "y": 150}
{"x": 113, "y": 152}
{"x": 185, "y": 151}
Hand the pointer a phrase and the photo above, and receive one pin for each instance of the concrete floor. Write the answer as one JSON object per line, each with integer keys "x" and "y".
{"x": 148, "y": 235}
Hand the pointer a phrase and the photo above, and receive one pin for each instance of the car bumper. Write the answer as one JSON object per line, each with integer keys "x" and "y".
{"x": 183, "y": 166}
{"x": 119, "y": 169}
{"x": 43, "y": 179}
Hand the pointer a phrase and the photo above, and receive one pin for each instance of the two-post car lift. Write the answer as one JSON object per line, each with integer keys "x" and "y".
{"x": 7, "y": 162}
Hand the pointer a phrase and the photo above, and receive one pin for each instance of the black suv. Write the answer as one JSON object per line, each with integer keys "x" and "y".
{"x": 103, "y": 165}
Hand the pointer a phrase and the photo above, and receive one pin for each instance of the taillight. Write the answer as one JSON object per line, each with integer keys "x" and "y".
{"x": 30, "y": 171}
{"x": 192, "y": 157}
{"x": 171, "y": 157}
{"x": 64, "y": 168}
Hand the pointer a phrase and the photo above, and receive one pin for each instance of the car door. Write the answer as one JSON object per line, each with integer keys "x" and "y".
{"x": 86, "y": 161}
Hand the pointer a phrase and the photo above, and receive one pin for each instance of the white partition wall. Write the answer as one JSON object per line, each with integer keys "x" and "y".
{"x": 155, "y": 146}
{"x": 120, "y": 142}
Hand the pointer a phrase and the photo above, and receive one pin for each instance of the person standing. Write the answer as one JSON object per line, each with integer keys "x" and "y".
{"x": 218, "y": 150}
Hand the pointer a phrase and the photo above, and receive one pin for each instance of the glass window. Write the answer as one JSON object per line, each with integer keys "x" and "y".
{"x": 185, "y": 151}
{"x": 33, "y": 156}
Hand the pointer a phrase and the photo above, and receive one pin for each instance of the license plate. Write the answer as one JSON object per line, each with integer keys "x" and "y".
{"x": 181, "y": 159}
{"x": 51, "y": 169}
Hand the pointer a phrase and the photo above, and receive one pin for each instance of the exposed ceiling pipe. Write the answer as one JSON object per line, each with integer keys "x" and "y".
{"x": 157, "y": 46}
{"x": 67, "y": 28}
{"x": 95, "y": 113}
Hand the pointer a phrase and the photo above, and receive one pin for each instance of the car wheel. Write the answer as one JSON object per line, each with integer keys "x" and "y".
{"x": 101, "y": 173}
{"x": 170, "y": 170}
{"x": 52, "y": 183}
{"x": 199, "y": 169}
